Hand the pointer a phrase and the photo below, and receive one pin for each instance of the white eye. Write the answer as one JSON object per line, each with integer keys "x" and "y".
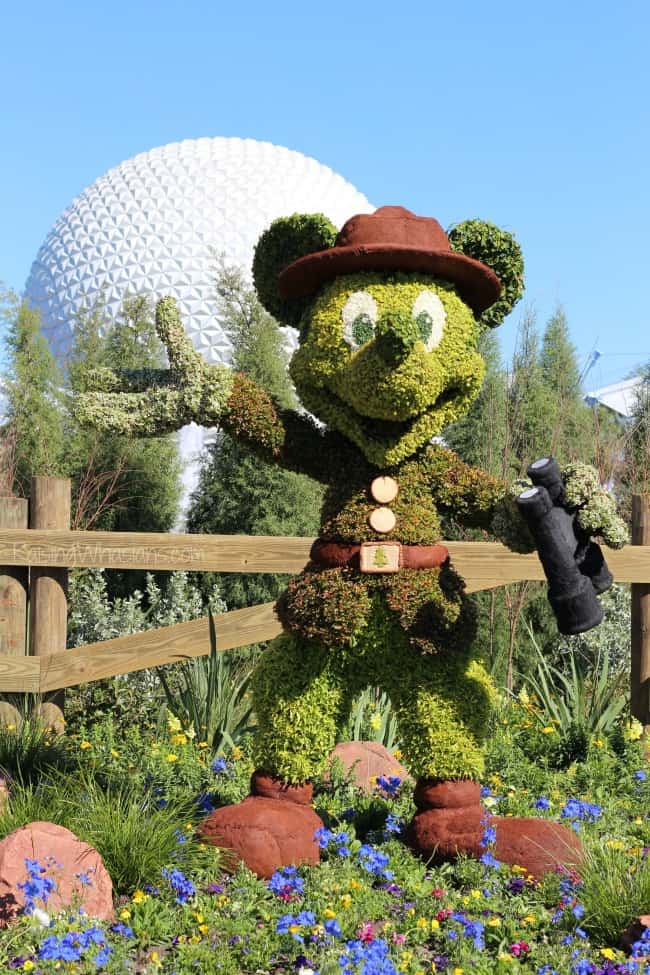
{"x": 429, "y": 312}
{"x": 359, "y": 316}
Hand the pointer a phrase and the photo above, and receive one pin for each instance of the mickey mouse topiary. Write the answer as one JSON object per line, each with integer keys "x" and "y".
{"x": 389, "y": 311}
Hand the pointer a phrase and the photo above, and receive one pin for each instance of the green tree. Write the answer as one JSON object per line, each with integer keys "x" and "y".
{"x": 34, "y": 411}
{"x": 237, "y": 493}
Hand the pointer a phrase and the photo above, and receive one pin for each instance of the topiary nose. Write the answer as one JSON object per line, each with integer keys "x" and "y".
{"x": 395, "y": 336}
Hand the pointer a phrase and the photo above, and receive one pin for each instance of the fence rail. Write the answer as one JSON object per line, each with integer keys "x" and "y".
{"x": 483, "y": 565}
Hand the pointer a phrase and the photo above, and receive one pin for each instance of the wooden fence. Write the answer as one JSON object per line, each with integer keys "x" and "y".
{"x": 34, "y": 563}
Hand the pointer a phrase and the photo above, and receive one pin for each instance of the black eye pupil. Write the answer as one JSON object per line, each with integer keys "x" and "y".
{"x": 362, "y": 329}
{"x": 425, "y": 324}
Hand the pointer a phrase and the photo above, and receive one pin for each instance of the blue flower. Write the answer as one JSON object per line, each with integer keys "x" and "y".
{"x": 489, "y": 836}
{"x": 286, "y": 883}
{"x": 182, "y": 887}
{"x": 219, "y": 766}
{"x": 374, "y": 861}
{"x": 389, "y": 785}
{"x": 490, "y": 861}
{"x": 578, "y": 911}
{"x": 542, "y": 803}
{"x": 123, "y": 929}
{"x": 102, "y": 956}
{"x": 333, "y": 928}
{"x": 640, "y": 776}
{"x": 393, "y": 826}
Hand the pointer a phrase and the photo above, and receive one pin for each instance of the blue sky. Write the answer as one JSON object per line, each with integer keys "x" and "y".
{"x": 534, "y": 116}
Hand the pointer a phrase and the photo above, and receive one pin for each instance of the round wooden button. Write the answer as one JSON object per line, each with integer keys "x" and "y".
{"x": 382, "y": 520}
{"x": 384, "y": 489}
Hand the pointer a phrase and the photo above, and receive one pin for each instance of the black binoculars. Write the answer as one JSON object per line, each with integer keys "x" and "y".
{"x": 573, "y": 564}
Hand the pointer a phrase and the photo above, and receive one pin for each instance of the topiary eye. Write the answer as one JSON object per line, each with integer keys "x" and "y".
{"x": 359, "y": 315}
{"x": 430, "y": 315}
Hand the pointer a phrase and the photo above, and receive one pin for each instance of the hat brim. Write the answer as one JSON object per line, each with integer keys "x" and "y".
{"x": 477, "y": 284}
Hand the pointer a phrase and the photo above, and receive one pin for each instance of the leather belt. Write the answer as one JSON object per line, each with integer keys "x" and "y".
{"x": 337, "y": 554}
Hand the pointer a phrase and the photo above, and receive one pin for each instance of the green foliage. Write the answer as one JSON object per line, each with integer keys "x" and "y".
{"x": 34, "y": 399}
{"x": 372, "y": 719}
{"x": 29, "y": 752}
{"x": 96, "y": 615}
{"x": 498, "y": 249}
{"x": 572, "y": 700}
{"x": 616, "y": 889}
{"x": 211, "y": 696}
{"x": 287, "y": 239}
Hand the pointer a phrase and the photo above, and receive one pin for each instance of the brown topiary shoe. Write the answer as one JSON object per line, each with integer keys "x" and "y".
{"x": 450, "y": 820}
{"x": 272, "y": 828}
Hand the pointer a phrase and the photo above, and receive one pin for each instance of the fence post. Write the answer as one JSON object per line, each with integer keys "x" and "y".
{"x": 640, "y": 622}
{"x": 50, "y": 505}
{"x": 13, "y": 601}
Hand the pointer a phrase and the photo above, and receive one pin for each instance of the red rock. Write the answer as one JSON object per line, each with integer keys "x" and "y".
{"x": 274, "y": 827}
{"x": 369, "y": 759}
{"x": 537, "y": 845}
{"x": 450, "y": 820}
{"x": 66, "y": 856}
{"x": 634, "y": 932}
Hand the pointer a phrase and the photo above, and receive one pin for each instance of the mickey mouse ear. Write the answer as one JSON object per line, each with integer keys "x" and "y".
{"x": 287, "y": 239}
{"x": 500, "y": 251}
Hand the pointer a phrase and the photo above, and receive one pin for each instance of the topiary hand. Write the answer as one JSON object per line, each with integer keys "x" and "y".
{"x": 150, "y": 402}
{"x": 562, "y": 511}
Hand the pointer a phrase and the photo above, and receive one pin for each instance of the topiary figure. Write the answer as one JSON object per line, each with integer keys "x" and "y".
{"x": 389, "y": 311}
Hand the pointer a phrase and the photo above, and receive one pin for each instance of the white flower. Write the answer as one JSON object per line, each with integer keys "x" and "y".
{"x": 41, "y": 916}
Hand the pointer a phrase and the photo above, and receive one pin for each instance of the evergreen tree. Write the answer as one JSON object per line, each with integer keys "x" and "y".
{"x": 237, "y": 492}
{"x": 34, "y": 415}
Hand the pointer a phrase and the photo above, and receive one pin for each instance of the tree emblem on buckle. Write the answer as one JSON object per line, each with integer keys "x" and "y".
{"x": 376, "y": 557}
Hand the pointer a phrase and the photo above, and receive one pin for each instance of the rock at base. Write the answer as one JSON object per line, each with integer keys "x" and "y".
{"x": 77, "y": 869}
{"x": 368, "y": 759}
{"x": 265, "y": 833}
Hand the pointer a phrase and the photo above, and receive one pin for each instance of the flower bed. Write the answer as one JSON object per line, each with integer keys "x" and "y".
{"x": 369, "y": 907}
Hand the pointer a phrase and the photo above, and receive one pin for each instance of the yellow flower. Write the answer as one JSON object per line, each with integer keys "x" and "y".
{"x": 637, "y": 820}
{"x": 173, "y": 722}
{"x": 202, "y": 744}
{"x": 199, "y": 917}
{"x": 422, "y": 923}
{"x": 346, "y": 900}
{"x": 355, "y": 885}
{"x": 548, "y": 730}
{"x": 515, "y": 868}
{"x": 598, "y": 742}
{"x": 505, "y": 956}
{"x": 529, "y": 919}
{"x": 397, "y": 753}
{"x": 608, "y": 953}
{"x": 458, "y": 971}
{"x": 194, "y": 940}
{"x": 178, "y": 739}
{"x": 203, "y": 928}
{"x": 634, "y": 730}
{"x": 28, "y": 965}
{"x": 476, "y": 894}
{"x": 435, "y": 924}
{"x": 318, "y": 930}
{"x": 140, "y": 897}
{"x": 328, "y": 912}
{"x": 494, "y": 922}
{"x": 125, "y": 914}
{"x": 114, "y": 753}
{"x": 236, "y": 754}
{"x": 171, "y": 757}
{"x": 84, "y": 745}
{"x": 375, "y": 722}
{"x": 294, "y": 928}
{"x": 495, "y": 778}
{"x": 615, "y": 844}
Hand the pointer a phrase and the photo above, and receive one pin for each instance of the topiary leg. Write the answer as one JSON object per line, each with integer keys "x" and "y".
{"x": 299, "y": 695}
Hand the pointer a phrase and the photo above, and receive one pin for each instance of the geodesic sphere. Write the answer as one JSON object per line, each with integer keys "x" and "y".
{"x": 154, "y": 224}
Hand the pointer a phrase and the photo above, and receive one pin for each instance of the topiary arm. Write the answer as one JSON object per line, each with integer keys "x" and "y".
{"x": 476, "y": 499}
{"x": 291, "y": 439}
{"x": 152, "y": 402}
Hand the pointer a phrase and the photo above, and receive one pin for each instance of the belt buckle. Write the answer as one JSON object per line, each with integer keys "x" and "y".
{"x": 379, "y": 557}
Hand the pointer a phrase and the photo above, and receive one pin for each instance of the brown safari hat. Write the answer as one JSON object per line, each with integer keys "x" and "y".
{"x": 392, "y": 238}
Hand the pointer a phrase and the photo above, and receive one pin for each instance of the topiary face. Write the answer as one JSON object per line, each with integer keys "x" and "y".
{"x": 388, "y": 360}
